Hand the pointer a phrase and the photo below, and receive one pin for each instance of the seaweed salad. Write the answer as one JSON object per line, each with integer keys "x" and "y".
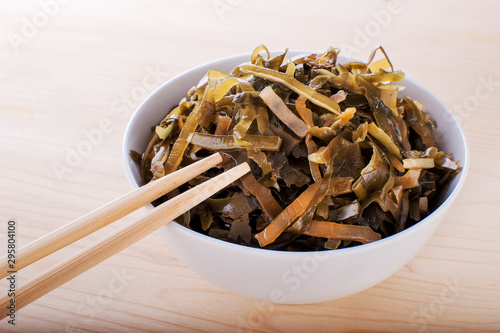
{"x": 337, "y": 158}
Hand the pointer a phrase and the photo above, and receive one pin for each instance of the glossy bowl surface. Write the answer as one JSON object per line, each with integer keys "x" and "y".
{"x": 294, "y": 277}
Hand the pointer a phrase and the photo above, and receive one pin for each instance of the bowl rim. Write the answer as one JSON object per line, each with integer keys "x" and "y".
{"x": 442, "y": 208}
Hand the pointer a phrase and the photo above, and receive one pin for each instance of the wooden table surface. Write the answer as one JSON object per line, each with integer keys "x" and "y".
{"x": 67, "y": 66}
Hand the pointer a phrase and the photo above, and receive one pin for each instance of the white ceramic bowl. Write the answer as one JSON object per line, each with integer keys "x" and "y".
{"x": 293, "y": 277}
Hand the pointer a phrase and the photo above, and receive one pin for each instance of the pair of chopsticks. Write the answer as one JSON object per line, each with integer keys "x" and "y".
{"x": 120, "y": 239}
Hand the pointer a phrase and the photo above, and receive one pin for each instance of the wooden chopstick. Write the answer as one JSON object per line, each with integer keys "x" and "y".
{"x": 117, "y": 241}
{"x": 105, "y": 215}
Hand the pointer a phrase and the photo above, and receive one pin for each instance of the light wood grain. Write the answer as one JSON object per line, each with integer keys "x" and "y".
{"x": 86, "y": 64}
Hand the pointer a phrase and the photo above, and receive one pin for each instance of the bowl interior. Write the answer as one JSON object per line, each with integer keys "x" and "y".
{"x": 448, "y": 134}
